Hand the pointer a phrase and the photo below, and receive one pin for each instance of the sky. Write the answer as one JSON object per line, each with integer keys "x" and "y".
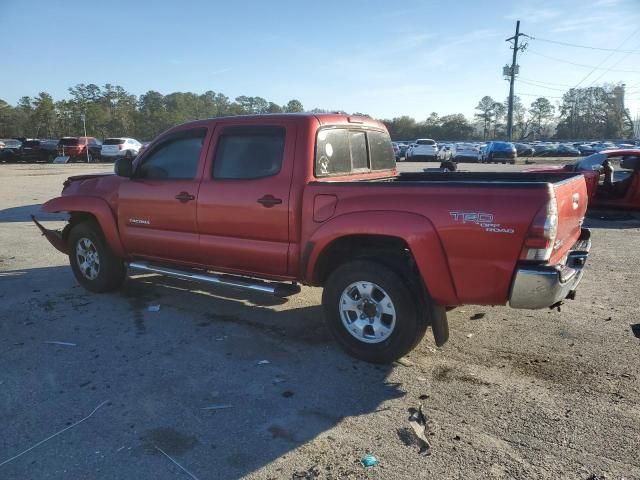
{"x": 378, "y": 57}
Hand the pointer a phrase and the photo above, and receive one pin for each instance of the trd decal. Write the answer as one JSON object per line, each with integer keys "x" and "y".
{"x": 482, "y": 219}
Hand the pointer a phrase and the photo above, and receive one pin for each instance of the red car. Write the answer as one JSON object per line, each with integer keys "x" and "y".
{"x": 267, "y": 201}
{"x": 76, "y": 148}
{"x": 608, "y": 187}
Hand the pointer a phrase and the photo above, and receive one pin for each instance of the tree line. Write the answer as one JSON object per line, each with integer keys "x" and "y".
{"x": 112, "y": 111}
{"x": 583, "y": 113}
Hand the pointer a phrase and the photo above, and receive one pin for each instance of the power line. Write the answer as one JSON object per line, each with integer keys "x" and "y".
{"x": 607, "y": 58}
{"x": 567, "y": 44}
{"x": 538, "y": 95}
{"x": 609, "y": 69}
{"x": 578, "y": 64}
{"x": 546, "y": 83}
{"x": 541, "y": 86}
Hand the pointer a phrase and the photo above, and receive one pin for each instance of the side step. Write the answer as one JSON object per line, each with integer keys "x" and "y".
{"x": 242, "y": 283}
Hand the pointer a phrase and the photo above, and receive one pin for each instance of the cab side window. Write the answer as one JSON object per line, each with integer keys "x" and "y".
{"x": 176, "y": 158}
{"x": 249, "y": 153}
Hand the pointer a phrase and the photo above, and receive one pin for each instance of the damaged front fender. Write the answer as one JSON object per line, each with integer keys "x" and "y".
{"x": 57, "y": 238}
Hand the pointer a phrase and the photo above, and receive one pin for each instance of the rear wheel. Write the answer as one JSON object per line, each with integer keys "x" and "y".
{"x": 94, "y": 265}
{"x": 372, "y": 312}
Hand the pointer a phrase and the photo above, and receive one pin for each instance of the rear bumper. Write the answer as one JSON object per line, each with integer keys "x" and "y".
{"x": 545, "y": 286}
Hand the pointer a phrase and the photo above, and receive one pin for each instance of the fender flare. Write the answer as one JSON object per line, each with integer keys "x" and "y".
{"x": 95, "y": 206}
{"x": 416, "y": 230}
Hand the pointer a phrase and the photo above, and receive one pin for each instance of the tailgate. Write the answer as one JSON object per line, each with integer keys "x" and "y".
{"x": 571, "y": 199}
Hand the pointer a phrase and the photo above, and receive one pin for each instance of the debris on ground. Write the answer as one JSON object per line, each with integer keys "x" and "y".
{"x": 369, "y": 461}
{"x": 264, "y": 362}
{"x": 469, "y": 335}
{"x": 66, "y": 344}
{"x": 55, "y": 434}
{"x": 405, "y": 362}
{"x": 176, "y": 463}
{"x": 478, "y": 316}
{"x": 218, "y": 407}
{"x": 608, "y": 319}
{"x": 418, "y": 422}
{"x": 153, "y": 308}
{"x": 287, "y": 394}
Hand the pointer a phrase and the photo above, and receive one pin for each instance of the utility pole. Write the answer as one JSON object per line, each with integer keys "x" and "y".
{"x": 512, "y": 76}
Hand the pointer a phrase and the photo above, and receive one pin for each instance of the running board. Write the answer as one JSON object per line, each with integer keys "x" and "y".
{"x": 242, "y": 283}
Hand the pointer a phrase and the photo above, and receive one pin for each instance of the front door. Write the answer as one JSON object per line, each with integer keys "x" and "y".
{"x": 157, "y": 206}
{"x": 243, "y": 204}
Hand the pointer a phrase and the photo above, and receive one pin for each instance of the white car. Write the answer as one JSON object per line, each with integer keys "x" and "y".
{"x": 424, "y": 149}
{"x": 120, "y": 147}
{"x": 466, "y": 152}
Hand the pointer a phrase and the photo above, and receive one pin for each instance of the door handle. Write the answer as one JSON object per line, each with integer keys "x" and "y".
{"x": 269, "y": 201}
{"x": 185, "y": 197}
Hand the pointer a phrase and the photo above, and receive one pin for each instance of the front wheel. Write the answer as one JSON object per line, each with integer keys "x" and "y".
{"x": 372, "y": 312}
{"x": 94, "y": 265}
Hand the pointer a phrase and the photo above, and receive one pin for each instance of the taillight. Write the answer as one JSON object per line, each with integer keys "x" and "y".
{"x": 539, "y": 242}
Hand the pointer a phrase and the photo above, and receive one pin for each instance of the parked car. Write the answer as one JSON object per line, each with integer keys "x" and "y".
{"x": 396, "y": 150}
{"x": 403, "y": 148}
{"x": 76, "y": 149}
{"x": 425, "y": 149}
{"x": 496, "y": 152}
{"x": 392, "y": 251}
{"x": 466, "y": 152}
{"x": 523, "y": 149}
{"x": 446, "y": 152}
{"x": 33, "y": 150}
{"x": 113, "y": 148}
{"x": 11, "y": 150}
{"x": 565, "y": 150}
{"x": 606, "y": 187}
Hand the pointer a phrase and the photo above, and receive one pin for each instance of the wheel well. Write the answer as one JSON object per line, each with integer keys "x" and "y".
{"x": 393, "y": 252}
{"x": 76, "y": 218}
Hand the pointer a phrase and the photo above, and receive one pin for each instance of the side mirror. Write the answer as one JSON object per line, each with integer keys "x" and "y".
{"x": 123, "y": 167}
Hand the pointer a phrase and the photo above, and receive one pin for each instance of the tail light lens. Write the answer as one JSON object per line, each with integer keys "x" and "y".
{"x": 539, "y": 242}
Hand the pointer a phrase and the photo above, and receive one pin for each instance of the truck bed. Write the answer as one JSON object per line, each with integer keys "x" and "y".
{"x": 469, "y": 179}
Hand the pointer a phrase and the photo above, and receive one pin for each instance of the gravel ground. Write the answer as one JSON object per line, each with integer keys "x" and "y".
{"x": 514, "y": 394}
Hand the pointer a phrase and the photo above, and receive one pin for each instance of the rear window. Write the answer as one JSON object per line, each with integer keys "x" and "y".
{"x": 426, "y": 142}
{"x": 113, "y": 141}
{"x": 342, "y": 152}
{"x": 68, "y": 141}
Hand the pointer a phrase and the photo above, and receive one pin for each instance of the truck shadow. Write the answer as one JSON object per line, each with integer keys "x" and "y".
{"x": 191, "y": 380}
{"x": 23, "y": 214}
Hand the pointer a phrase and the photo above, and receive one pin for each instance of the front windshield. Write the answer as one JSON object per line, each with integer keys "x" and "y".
{"x": 592, "y": 162}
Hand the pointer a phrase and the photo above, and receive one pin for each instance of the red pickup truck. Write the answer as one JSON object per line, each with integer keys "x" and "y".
{"x": 267, "y": 202}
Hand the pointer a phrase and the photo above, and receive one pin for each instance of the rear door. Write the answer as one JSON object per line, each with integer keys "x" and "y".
{"x": 157, "y": 206}
{"x": 243, "y": 204}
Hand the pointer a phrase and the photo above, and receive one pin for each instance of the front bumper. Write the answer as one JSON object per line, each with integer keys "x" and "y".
{"x": 545, "y": 286}
{"x": 57, "y": 238}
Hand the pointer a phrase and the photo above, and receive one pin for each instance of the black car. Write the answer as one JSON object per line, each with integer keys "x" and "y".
{"x": 38, "y": 151}
{"x": 524, "y": 149}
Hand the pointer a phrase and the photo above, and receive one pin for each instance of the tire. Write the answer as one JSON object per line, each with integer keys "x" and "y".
{"x": 402, "y": 329}
{"x": 86, "y": 237}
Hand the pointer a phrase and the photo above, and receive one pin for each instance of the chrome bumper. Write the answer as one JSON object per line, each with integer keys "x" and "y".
{"x": 545, "y": 286}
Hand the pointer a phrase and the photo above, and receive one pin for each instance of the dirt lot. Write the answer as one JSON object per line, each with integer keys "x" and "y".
{"x": 514, "y": 394}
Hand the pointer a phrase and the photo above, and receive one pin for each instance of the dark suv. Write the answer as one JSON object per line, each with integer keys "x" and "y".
{"x": 499, "y": 152}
